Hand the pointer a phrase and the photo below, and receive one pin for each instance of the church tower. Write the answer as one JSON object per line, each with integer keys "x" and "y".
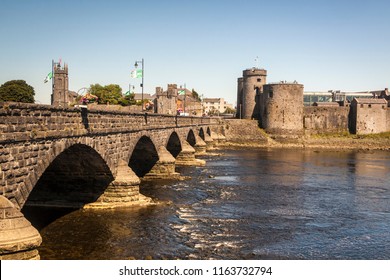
{"x": 60, "y": 96}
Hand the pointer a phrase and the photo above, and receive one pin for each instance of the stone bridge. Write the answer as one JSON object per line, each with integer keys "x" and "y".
{"x": 76, "y": 157}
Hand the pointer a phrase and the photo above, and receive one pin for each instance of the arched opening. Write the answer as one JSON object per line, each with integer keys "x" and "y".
{"x": 144, "y": 156}
{"x": 77, "y": 176}
{"x": 174, "y": 145}
{"x": 208, "y": 131}
{"x": 201, "y": 133}
{"x": 191, "y": 138}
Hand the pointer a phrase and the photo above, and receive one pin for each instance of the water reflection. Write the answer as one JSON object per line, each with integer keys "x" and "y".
{"x": 246, "y": 204}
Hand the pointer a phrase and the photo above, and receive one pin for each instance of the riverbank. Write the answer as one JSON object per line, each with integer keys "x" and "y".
{"x": 246, "y": 133}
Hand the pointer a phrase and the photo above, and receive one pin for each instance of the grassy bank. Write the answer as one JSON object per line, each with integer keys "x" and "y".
{"x": 330, "y": 141}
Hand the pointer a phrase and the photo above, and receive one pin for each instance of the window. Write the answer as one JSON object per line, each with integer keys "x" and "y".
{"x": 259, "y": 80}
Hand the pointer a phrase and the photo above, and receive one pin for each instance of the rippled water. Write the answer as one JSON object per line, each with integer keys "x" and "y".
{"x": 245, "y": 204}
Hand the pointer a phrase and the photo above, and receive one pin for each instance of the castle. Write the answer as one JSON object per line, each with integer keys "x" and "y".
{"x": 280, "y": 110}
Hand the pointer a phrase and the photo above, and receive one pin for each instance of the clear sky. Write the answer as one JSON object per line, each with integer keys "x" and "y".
{"x": 340, "y": 45}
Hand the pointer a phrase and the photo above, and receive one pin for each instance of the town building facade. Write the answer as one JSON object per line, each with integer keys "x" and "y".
{"x": 215, "y": 106}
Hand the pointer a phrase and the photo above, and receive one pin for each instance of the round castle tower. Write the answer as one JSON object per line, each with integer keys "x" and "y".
{"x": 239, "y": 97}
{"x": 252, "y": 86}
{"x": 283, "y": 112}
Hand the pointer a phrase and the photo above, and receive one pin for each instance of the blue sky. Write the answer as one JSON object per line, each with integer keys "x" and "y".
{"x": 325, "y": 45}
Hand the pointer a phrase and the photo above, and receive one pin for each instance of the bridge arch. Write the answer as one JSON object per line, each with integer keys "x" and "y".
{"x": 143, "y": 157}
{"x": 191, "y": 139}
{"x": 201, "y": 133}
{"x": 174, "y": 144}
{"x": 50, "y": 154}
{"x": 77, "y": 176}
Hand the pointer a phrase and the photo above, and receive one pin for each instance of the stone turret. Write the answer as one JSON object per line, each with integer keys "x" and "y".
{"x": 239, "y": 97}
{"x": 283, "y": 109}
{"x": 252, "y": 88}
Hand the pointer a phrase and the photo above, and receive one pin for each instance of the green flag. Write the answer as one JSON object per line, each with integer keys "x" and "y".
{"x": 48, "y": 77}
{"x": 137, "y": 73}
{"x": 182, "y": 92}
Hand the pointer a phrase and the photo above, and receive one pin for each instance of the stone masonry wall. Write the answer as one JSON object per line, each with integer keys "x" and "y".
{"x": 244, "y": 131}
{"x": 371, "y": 119}
{"x": 388, "y": 119}
{"x": 325, "y": 119}
{"x": 283, "y": 112}
{"x": 32, "y": 136}
{"x": 25, "y": 122}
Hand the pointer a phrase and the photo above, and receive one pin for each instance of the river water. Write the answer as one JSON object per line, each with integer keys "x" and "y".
{"x": 245, "y": 204}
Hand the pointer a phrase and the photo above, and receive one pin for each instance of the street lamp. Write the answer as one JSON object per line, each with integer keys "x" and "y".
{"x": 130, "y": 87}
{"x": 142, "y": 83}
{"x": 184, "y": 103}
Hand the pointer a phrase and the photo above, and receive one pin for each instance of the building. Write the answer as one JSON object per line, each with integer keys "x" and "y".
{"x": 369, "y": 115}
{"x": 279, "y": 108}
{"x": 166, "y": 101}
{"x": 310, "y": 97}
{"x": 61, "y": 96}
{"x": 189, "y": 104}
{"x": 215, "y": 106}
{"x": 176, "y": 101}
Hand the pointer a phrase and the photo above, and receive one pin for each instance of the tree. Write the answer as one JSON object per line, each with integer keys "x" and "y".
{"x": 196, "y": 95}
{"x": 127, "y": 100}
{"x": 229, "y": 111}
{"x": 110, "y": 94}
{"x": 17, "y": 91}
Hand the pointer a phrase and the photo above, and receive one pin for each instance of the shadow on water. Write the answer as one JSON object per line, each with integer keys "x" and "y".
{"x": 41, "y": 216}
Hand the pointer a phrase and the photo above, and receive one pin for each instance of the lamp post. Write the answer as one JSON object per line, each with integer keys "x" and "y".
{"x": 130, "y": 86}
{"x": 142, "y": 83}
{"x": 184, "y": 103}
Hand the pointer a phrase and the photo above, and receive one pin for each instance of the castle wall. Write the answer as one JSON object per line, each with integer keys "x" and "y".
{"x": 387, "y": 119}
{"x": 283, "y": 113}
{"x": 371, "y": 116}
{"x": 325, "y": 119}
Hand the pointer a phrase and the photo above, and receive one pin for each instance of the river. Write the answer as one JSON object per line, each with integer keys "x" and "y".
{"x": 244, "y": 204}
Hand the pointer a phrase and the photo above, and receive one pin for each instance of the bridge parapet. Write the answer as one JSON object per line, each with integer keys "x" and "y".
{"x": 21, "y": 122}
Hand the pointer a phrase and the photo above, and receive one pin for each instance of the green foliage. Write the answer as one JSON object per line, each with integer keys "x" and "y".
{"x": 196, "y": 95}
{"x": 17, "y": 91}
{"x": 382, "y": 135}
{"x": 109, "y": 94}
{"x": 127, "y": 100}
{"x": 340, "y": 134}
{"x": 229, "y": 111}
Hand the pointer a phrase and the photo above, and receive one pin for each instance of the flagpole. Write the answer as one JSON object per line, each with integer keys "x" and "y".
{"x": 185, "y": 95}
{"x": 52, "y": 82}
{"x": 142, "y": 93}
{"x": 142, "y": 82}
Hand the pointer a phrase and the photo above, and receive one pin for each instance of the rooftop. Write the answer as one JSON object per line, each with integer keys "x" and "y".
{"x": 370, "y": 101}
